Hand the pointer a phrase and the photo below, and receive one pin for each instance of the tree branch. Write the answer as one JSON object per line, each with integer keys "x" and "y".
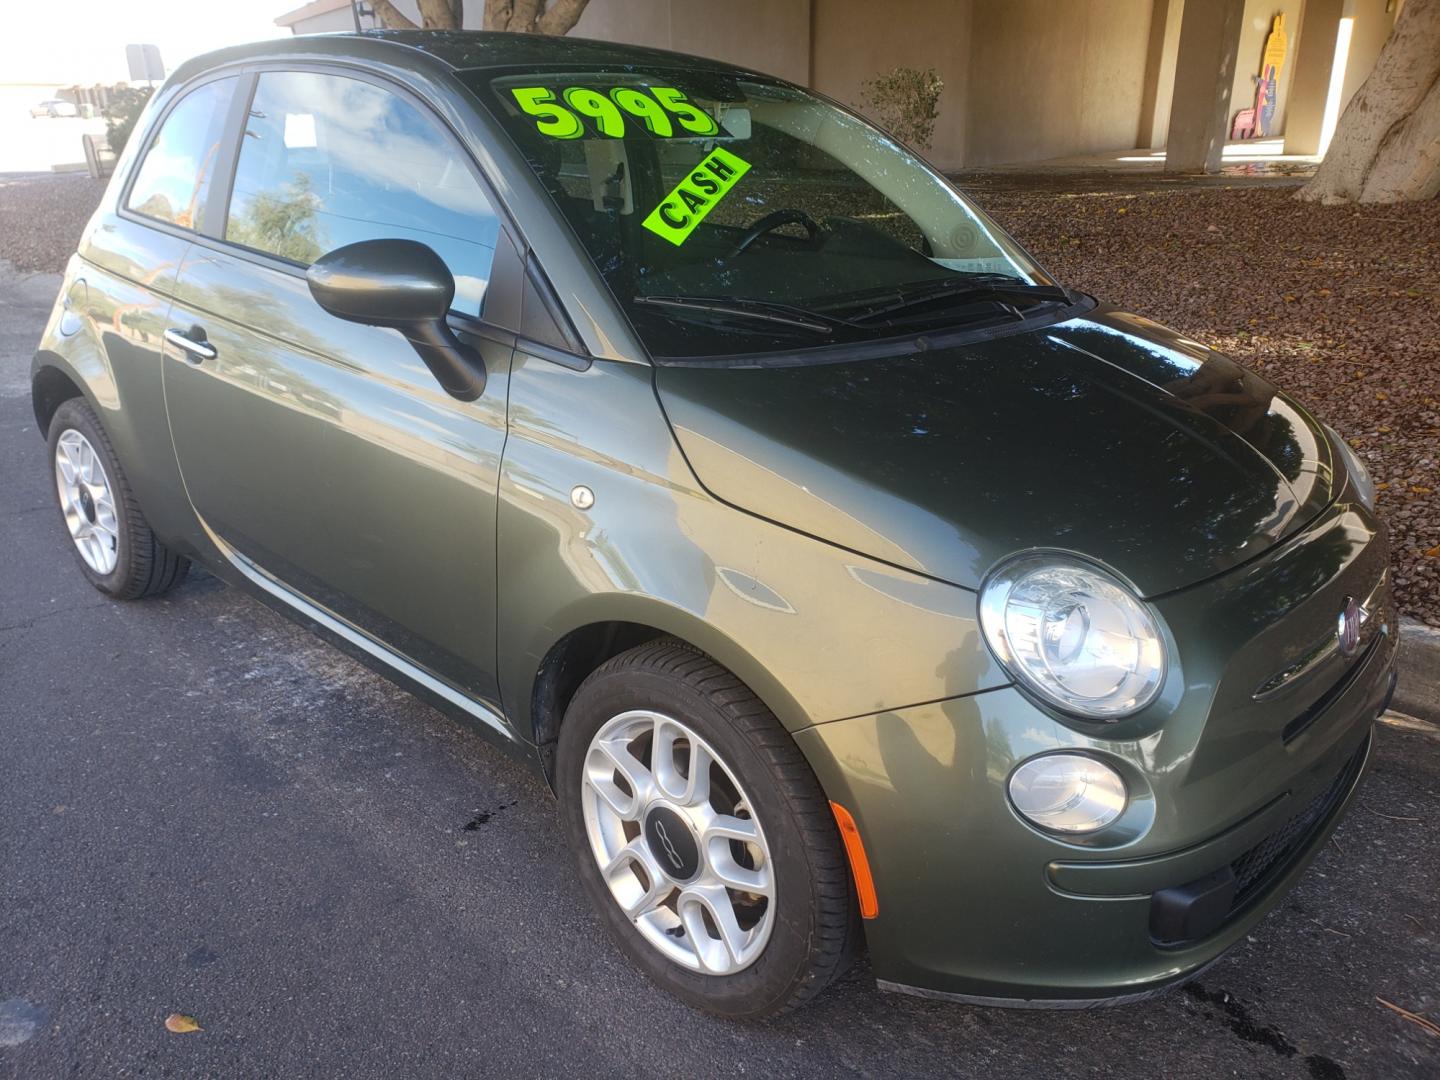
{"x": 497, "y": 14}
{"x": 560, "y": 16}
{"x": 390, "y": 16}
{"x": 438, "y": 15}
{"x": 522, "y": 20}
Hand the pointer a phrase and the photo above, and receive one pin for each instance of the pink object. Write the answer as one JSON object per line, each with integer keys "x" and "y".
{"x": 1244, "y": 126}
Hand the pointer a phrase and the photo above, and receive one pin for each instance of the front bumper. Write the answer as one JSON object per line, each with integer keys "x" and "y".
{"x": 976, "y": 905}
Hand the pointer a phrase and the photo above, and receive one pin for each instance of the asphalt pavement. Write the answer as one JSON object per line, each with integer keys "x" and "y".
{"x": 204, "y": 810}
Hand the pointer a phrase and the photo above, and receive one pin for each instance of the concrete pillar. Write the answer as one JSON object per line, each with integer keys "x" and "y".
{"x": 1159, "y": 72}
{"x": 1204, "y": 72}
{"x": 1314, "y": 61}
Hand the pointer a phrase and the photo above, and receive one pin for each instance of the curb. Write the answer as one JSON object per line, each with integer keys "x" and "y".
{"x": 1418, "y": 662}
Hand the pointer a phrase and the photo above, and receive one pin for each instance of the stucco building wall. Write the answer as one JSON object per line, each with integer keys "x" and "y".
{"x": 1159, "y": 87}
{"x": 855, "y": 40}
{"x": 1025, "y": 80}
{"x": 1370, "y": 29}
{"x": 1006, "y": 97}
{"x": 768, "y": 35}
{"x": 1049, "y": 80}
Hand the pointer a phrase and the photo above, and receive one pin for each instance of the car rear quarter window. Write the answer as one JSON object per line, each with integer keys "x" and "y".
{"x": 328, "y": 161}
{"x": 173, "y": 181}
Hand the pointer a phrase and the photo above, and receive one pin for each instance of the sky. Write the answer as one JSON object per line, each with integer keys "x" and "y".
{"x": 83, "y": 41}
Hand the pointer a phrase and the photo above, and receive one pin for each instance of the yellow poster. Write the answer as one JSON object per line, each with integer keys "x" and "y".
{"x": 1275, "y": 46}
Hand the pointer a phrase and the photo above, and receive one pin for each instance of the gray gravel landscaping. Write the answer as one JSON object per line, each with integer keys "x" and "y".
{"x": 41, "y": 215}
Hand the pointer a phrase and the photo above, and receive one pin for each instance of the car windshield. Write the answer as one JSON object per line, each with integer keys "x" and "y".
{"x": 732, "y": 214}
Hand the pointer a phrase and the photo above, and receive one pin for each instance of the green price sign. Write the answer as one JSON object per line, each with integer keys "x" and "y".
{"x": 696, "y": 195}
{"x": 664, "y": 111}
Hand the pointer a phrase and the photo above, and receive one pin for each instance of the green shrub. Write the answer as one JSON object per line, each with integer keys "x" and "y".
{"x": 905, "y": 101}
{"x": 121, "y": 112}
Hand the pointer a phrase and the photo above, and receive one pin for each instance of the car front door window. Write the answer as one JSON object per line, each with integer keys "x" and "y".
{"x": 328, "y": 161}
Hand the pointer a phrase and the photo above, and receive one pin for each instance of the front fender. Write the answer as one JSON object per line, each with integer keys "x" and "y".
{"x": 818, "y": 632}
{"x": 657, "y": 613}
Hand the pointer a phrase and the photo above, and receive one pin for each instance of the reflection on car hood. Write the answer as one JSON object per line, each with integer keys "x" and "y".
{"x": 1107, "y": 435}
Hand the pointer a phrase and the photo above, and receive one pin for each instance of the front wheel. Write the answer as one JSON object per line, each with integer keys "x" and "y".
{"x": 702, "y": 836}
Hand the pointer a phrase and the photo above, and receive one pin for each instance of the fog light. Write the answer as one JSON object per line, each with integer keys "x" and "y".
{"x": 1068, "y": 793}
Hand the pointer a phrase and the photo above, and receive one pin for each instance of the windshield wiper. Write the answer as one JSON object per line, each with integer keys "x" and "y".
{"x": 999, "y": 287}
{"x": 740, "y": 308}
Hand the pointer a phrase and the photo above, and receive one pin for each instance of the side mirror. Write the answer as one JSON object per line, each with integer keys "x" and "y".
{"x": 404, "y": 285}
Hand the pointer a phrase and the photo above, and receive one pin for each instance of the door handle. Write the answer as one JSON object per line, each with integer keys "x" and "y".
{"x": 193, "y": 343}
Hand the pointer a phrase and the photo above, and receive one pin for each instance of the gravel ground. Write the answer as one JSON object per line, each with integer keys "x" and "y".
{"x": 41, "y": 216}
{"x": 1338, "y": 305}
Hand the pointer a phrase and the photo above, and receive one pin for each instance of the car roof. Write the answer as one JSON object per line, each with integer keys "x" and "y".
{"x": 459, "y": 50}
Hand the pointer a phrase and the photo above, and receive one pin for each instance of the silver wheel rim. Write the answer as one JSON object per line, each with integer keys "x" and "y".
{"x": 87, "y": 501}
{"x": 642, "y": 772}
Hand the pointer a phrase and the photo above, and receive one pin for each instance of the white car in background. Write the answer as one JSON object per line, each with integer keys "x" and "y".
{"x": 54, "y": 107}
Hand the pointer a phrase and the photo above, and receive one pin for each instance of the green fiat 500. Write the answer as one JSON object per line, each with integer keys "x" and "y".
{"x": 851, "y": 580}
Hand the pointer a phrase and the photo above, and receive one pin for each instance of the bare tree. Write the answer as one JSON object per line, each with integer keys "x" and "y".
{"x": 1387, "y": 145}
{"x": 555, "y": 17}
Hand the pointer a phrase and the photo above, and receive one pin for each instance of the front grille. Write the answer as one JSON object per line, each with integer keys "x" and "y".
{"x": 1332, "y": 695}
{"x": 1270, "y": 858}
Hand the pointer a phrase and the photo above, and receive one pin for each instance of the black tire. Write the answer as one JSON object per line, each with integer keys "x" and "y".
{"x": 143, "y": 565}
{"x": 816, "y": 929}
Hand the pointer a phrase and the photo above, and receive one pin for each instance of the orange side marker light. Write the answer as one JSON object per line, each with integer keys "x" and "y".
{"x": 859, "y": 863}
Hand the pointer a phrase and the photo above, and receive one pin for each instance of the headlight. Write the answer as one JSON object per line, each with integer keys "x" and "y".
{"x": 1359, "y": 474}
{"x": 1073, "y": 635}
{"x": 1068, "y": 793}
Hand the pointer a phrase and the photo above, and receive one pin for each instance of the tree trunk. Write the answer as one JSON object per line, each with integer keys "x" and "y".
{"x": 497, "y": 14}
{"x": 556, "y": 17}
{"x": 1407, "y": 166}
{"x": 440, "y": 15}
{"x": 390, "y": 16}
{"x": 560, "y": 16}
{"x": 1387, "y": 145}
{"x": 523, "y": 16}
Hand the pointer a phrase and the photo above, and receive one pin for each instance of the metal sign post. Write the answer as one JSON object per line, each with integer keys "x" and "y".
{"x": 359, "y": 8}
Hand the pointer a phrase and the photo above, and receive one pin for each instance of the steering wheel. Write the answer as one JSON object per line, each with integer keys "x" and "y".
{"x": 774, "y": 221}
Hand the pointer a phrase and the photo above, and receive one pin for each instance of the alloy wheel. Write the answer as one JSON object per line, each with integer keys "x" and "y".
{"x": 677, "y": 843}
{"x": 87, "y": 500}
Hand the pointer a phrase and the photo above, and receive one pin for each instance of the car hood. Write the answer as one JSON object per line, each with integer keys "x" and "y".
{"x": 1108, "y": 435}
